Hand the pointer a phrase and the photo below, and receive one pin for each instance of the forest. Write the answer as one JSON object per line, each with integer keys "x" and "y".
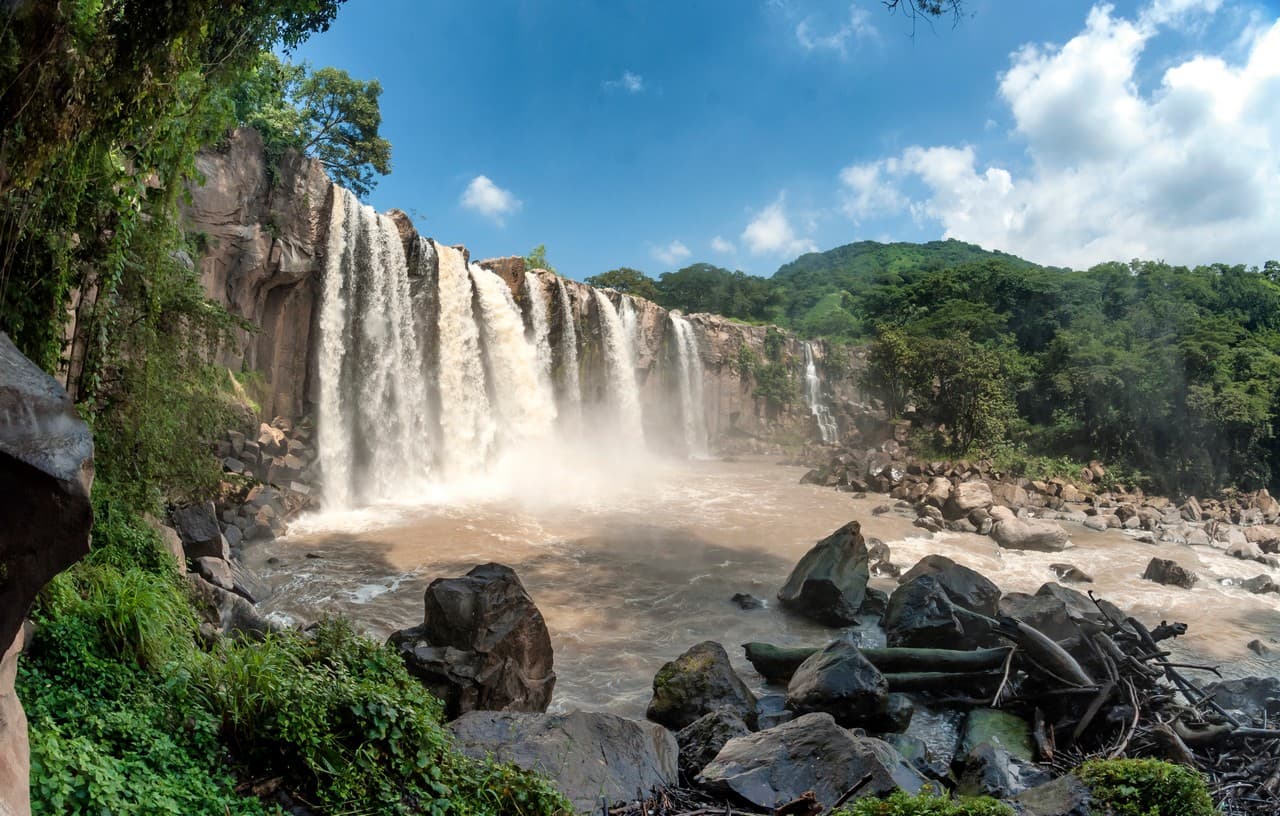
{"x": 1170, "y": 372}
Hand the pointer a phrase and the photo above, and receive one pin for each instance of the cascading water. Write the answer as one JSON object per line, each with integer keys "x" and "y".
{"x": 571, "y": 388}
{"x": 813, "y": 396}
{"x": 466, "y": 421}
{"x": 373, "y": 398}
{"x": 540, "y": 316}
{"x": 692, "y": 406}
{"x": 621, "y": 368}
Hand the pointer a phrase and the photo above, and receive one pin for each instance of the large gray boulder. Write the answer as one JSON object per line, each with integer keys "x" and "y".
{"x": 839, "y": 681}
{"x": 1258, "y": 698}
{"x": 965, "y": 587}
{"x": 696, "y": 683}
{"x": 1170, "y": 573}
{"x": 482, "y": 645}
{"x": 921, "y": 614}
{"x": 46, "y": 472}
{"x": 810, "y": 753}
{"x": 201, "y": 535}
{"x": 586, "y": 755}
{"x": 1014, "y": 533}
{"x": 829, "y": 584}
{"x": 702, "y": 739}
{"x": 967, "y": 497}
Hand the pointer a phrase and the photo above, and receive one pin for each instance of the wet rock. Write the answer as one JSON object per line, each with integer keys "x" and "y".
{"x": 215, "y": 571}
{"x": 920, "y": 613}
{"x": 1256, "y": 697}
{"x": 810, "y": 753}
{"x": 771, "y": 710}
{"x": 1260, "y": 584}
{"x": 841, "y": 682}
{"x": 46, "y": 472}
{"x": 586, "y": 755}
{"x": 201, "y": 535}
{"x": 482, "y": 644}
{"x": 1064, "y": 796}
{"x": 745, "y": 601}
{"x": 999, "y": 728}
{"x": 1071, "y": 574}
{"x": 880, "y": 510}
{"x": 1244, "y": 550}
{"x": 1043, "y": 613}
{"x": 830, "y": 582}
{"x": 703, "y": 738}
{"x": 990, "y": 770}
{"x": 246, "y": 583}
{"x": 1170, "y": 573}
{"x": 965, "y": 498}
{"x": 1259, "y": 648}
{"x": 696, "y": 683}
{"x": 1014, "y": 533}
{"x": 965, "y": 587}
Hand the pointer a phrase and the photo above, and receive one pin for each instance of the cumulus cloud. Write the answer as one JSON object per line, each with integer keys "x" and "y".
{"x": 628, "y": 82}
{"x": 1188, "y": 172}
{"x": 671, "y": 254}
{"x": 719, "y": 244}
{"x": 490, "y": 200}
{"x": 856, "y": 28}
{"x": 771, "y": 233}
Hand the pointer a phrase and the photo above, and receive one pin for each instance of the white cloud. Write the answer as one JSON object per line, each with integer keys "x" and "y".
{"x": 857, "y": 27}
{"x": 629, "y": 82}
{"x": 771, "y": 233}
{"x": 490, "y": 200}
{"x": 671, "y": 254}
{"x": 719, "y": 244}
{"x": 1188, "y": 172}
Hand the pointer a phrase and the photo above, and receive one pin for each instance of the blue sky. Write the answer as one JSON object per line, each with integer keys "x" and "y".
{"x": 744, "y": 132}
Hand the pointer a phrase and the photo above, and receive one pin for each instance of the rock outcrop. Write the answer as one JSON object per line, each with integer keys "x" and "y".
{"x": 829, "y": 584}
{"x": 46, "y": 472}
{"x": 587, "y": 755}
{"x": 482, "y": 645}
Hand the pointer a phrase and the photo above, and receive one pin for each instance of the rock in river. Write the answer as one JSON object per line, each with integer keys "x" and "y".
{"x": 482, "y": 644}
{"x": 829, "y": 584}
{"x": 838, "y": 680}
{"x": 696, "y": 683}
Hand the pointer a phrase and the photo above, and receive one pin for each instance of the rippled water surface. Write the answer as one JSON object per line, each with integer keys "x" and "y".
{"x": 628, "y": 577}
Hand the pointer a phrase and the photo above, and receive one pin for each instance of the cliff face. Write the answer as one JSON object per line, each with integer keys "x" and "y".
{"x": 264, "y": 236}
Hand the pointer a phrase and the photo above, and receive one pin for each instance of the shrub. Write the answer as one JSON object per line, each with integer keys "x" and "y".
{"x": 1146, "y": 787}
{"x": 925, "y": 804}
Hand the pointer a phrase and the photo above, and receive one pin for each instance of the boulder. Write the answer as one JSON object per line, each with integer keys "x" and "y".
{"x": 830, "y": 582}
{"x": 1071, "y": 574}
{"x": 586, "y": 755}
{"x": 810, "y": 753}
{"x": 839, "y": 681}
{"x": 921, "y": 614}
{"x": 744, "y": 601}
{"x": 965, "y": 587}
{"x": 1256, "y": 697}
{"x": 999, "y": 728}
{"x": 1014, "y": 533}
{"x": 215, "y": 571}
{"x": 967, "y": 497}
{"x": 990, "y": 770}
{"x": 703, "y": 738}
{"x": 938, "y": 492}
{"x": 482, "y": 644}
{"x": 201, "y": 535}
{"x": 1044, "y": 613}
{"x": 246, "y": 583}
{"x": 696, "y": 683}
{"x": 46, "y": 472}
{"x": 1260, "y": 584}
{"x": 226, "y": 613}
{"x": 1170, "y": 573}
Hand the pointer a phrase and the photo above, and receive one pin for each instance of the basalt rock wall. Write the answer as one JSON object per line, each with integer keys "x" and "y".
{"x": 263, "y": 233}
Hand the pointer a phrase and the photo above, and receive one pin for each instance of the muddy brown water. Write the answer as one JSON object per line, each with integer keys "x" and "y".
{"x": 628, "y": 577}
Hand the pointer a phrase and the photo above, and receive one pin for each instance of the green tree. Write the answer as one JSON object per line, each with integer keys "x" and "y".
{"x": 323, "y": 113}
{"x": 628, "y": 280}
{"x": 537, "y": 259}
{"x": 893, "y": 369}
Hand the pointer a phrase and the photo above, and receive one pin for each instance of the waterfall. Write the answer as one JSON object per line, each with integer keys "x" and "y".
{"x": 692, "y": 407}
{"x": 539, "y": 314}
{"x": 526, "y": 407}
{"x": 571, "y": 387}
{"x": 466, "y": 422}
{"x": 373, "y": 396}
{"x": 813, "y": 396}
{"x": 621, "y": 368}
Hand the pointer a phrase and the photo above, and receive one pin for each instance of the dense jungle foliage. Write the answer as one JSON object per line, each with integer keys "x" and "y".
{"x": 1172, "y": 372}
{"x": 105, "y": 104}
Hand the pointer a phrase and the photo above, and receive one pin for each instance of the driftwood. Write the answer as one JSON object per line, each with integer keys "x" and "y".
{"x": 778, "y": 663}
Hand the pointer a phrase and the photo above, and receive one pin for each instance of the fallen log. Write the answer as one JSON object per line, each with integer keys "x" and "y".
{"x": 778, "y": 663}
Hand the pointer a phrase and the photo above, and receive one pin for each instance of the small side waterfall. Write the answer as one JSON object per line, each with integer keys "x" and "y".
{"x": 540, "y": 316}
{"x": 526, "y": 407}
{"x": 570, "y": 386}
{"x": 467, "y": 423}
{"x": 692, "y": 406}
{"x": 813, "y": 396}
{"x": 621, "y": 368}
{"x": 373, "y": 397}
